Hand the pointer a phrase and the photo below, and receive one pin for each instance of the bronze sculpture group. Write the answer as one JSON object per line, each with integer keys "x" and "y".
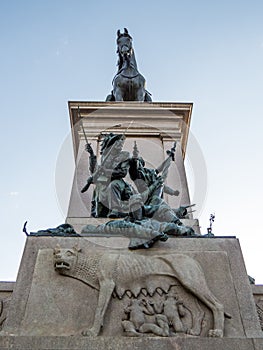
{"x": 137, "y": 210}
{"x": 143, "y": 214}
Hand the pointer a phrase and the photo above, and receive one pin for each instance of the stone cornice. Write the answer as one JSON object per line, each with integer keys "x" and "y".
{"x": 166, "y": 120}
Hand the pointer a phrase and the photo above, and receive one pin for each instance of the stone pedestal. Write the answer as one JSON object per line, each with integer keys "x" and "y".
{"x": 154, "y": 126}
{"x": 50, "y": 308}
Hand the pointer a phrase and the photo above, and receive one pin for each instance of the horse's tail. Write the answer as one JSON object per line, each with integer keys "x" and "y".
{"x": 147, "y": 97}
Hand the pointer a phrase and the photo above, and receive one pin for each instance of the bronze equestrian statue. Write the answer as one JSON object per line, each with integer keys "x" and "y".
{"x": 128, "y": 83}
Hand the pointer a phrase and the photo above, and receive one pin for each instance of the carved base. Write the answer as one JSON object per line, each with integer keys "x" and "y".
{"x": 141, "y": 294}
{"x": 109, "y": 343}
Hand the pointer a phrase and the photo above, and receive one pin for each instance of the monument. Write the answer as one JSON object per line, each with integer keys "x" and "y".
{"x": 129, "y": 269}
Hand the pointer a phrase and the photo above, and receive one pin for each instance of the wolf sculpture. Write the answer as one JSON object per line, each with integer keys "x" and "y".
{"x": 120, "y": 273}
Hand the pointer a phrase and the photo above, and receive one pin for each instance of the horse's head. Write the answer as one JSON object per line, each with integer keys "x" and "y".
{"x": 132, "y": 89}
{"x": 124, "y": 44}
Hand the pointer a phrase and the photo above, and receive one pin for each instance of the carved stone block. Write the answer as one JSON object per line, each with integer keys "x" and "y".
{"x": 148, "y": 293}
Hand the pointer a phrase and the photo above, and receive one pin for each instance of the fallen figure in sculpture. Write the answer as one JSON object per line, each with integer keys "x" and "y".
{"x": 143, "y": 232}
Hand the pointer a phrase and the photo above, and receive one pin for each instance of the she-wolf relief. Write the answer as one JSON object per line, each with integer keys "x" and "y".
{"x": 130, "y": 274}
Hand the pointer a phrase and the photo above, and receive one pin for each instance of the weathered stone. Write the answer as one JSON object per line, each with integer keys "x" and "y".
{"x": 116, "y": 343}
{"x": 46, "y": 303}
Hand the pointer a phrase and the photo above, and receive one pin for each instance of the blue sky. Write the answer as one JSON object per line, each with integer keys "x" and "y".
{"x": 206, "y": 52}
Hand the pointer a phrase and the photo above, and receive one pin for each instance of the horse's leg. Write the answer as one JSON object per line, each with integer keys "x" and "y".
{"x": 118, "y": 93}
{"x": 140, "y": 95}
{"x": 139, "y": 85}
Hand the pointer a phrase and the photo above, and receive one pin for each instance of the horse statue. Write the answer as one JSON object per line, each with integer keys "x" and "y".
{"x": 128, "y": 83}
